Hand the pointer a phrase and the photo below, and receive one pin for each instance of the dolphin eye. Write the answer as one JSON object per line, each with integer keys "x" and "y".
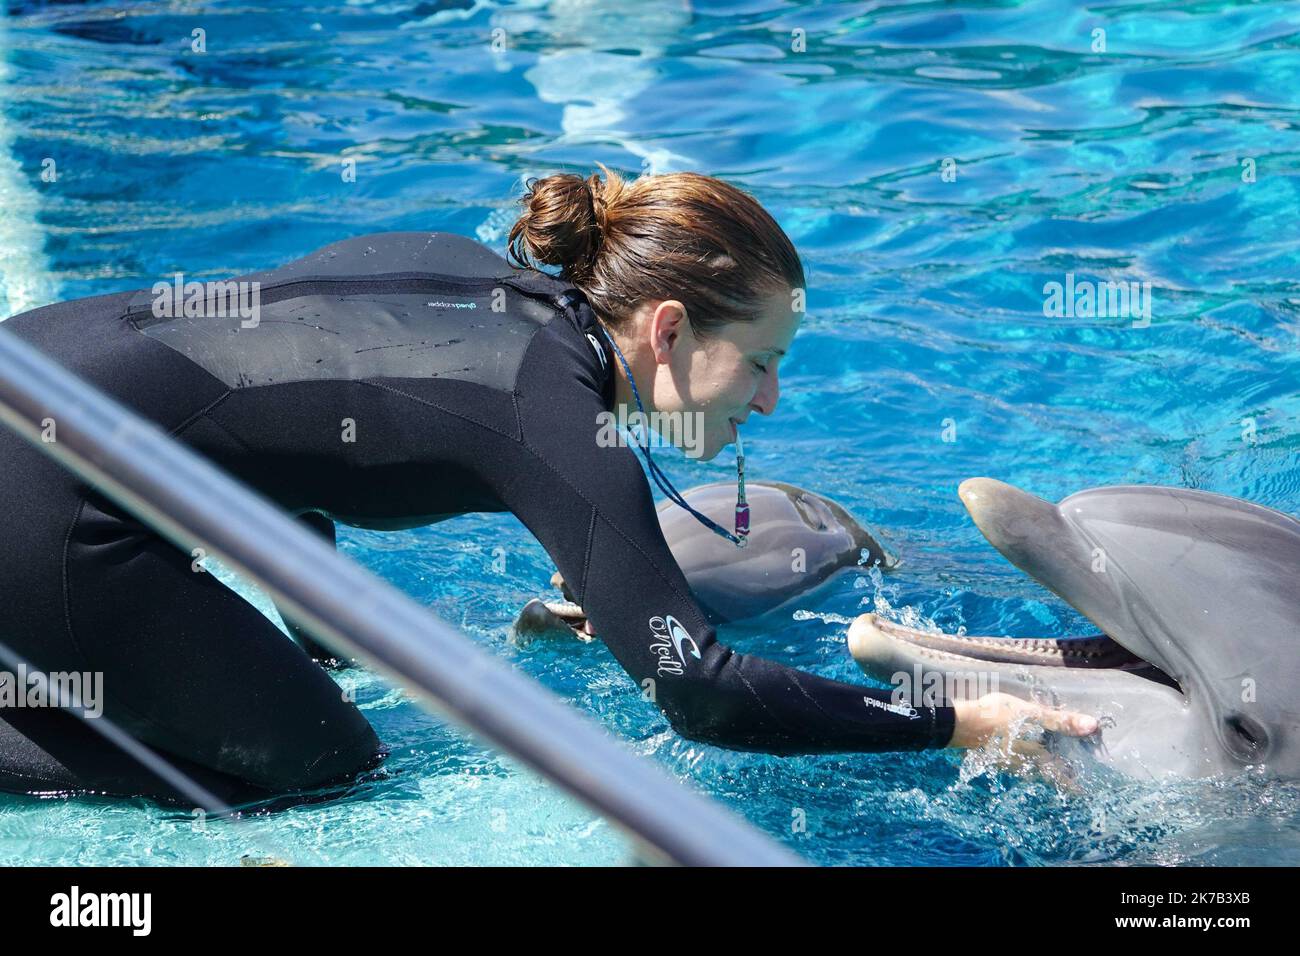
{"x": 1246, "y": 737}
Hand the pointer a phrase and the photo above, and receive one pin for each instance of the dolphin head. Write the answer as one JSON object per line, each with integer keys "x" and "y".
{"x": 1202, "y": 586}
{"x": 799, "y": 540}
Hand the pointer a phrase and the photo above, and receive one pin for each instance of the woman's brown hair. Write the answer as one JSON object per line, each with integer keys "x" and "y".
{"x": 679, "y": 236}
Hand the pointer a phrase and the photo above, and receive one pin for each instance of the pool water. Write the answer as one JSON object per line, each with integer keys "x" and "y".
{"x": 926, "y": 357}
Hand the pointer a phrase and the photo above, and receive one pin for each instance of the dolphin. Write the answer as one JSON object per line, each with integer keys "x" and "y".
{"x": 1196, "y": 669}
{"x": 799, "y": 540}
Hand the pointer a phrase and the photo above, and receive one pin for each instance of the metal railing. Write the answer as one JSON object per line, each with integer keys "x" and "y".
{"x": 196, "y": 505}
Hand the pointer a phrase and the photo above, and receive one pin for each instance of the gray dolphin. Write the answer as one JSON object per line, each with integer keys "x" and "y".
{"x": 1197, "y": 595}
{"x": 799, "y": 540}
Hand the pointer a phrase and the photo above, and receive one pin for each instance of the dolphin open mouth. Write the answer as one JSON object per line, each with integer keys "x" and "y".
{"x": 882, "y": 648}
{"x": 550, "y": 617}
{"x": 1194, "y": 668}
{"x": 1033, "y": 535}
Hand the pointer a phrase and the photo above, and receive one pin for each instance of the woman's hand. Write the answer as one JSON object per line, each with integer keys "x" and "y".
{"x": 992, "y": 715}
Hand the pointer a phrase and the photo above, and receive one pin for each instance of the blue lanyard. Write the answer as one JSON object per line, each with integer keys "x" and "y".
{"x": 741, "y": 536}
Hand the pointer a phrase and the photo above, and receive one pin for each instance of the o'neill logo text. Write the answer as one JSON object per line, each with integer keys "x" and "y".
{"x": 668, "y": 642}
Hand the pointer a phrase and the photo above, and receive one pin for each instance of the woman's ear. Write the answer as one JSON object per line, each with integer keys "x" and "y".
{"x": 666, "y": 326}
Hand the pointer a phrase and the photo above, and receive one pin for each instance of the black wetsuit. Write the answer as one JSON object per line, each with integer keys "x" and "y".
{"x": 389, "y": 381}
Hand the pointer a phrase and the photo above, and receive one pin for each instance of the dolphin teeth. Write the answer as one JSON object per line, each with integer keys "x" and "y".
{"x": 1096, "y": 651}
{"x": 566, "y": 609}
{"x": 539, "y": 618}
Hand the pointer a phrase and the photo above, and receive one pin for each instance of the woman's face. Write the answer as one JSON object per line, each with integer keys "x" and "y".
{"x": 716, "y": 382}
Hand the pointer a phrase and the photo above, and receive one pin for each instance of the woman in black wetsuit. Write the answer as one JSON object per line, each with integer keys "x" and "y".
{"x": 391, "y": 381}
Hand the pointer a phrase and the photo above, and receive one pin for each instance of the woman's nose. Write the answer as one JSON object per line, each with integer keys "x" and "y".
{"x": 769, "y": 393}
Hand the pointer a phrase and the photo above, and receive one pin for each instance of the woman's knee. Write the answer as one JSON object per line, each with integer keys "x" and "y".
{"x": 300, "y": 764}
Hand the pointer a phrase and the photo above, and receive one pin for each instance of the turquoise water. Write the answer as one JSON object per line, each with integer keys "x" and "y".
{"x": 926, "y": 322}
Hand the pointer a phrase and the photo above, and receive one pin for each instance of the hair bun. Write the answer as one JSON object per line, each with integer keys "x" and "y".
{"x": 563, "y": 223}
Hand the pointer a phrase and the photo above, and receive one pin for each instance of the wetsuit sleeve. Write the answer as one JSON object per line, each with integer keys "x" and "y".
{"x": 590, "y": 506}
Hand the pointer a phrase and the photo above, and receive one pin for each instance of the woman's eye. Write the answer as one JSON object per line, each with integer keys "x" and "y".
{"x": 761, "y": 368}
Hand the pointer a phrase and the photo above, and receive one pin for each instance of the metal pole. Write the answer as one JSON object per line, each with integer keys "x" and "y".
{"x": 196, "y": 505}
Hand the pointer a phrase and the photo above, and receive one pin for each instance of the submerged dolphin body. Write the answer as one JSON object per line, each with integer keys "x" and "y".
{"x": 799, "y": 540}
{"x": 1197, "y": 595}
